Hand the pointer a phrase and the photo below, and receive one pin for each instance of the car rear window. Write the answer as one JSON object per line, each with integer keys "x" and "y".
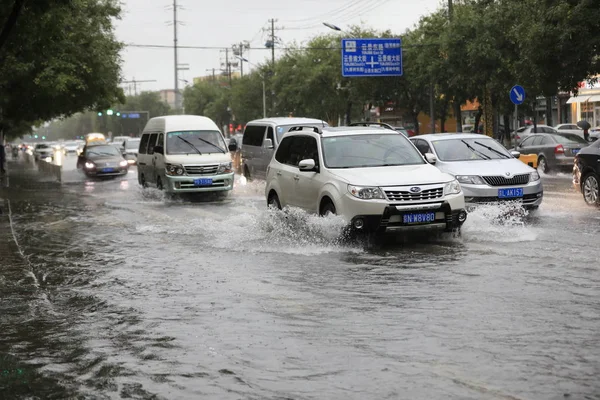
{"x": 570, "y": 138}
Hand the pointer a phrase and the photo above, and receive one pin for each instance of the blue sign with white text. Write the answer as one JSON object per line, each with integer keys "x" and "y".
{"x": 372, "y": 57}
{"x": 517, "y": 94}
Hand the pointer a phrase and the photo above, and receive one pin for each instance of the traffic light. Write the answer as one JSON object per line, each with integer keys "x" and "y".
{"x": 118, "y": 114}
{"x": 43, "y": 137}
{"x": 109, "y": 112}
{"x": 100, "y": 113}
{"x": 35, "y": 136}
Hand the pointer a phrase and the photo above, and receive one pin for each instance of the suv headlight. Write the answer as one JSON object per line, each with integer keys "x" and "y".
{"x": 470, "y": 179}
{"x": 174, "y": 169}
{"x": 224, "y": 168}
{"x": 452, "y": 187}
{"x": 365, "y": 193}
{"x": 534, "y": 176}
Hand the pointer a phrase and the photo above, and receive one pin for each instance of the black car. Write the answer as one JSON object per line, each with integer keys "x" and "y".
{"x": 102, "y": 160}
{"x": 586, "y": 173}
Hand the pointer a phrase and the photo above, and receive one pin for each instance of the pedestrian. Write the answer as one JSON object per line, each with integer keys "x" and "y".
{"x": 2, "y": 158}
{"x": 586, "y": 135}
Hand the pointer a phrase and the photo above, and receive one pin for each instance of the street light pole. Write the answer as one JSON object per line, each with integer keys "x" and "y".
{"x": 264, "y": 92}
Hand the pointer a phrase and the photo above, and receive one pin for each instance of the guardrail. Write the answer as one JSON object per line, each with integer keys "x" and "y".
{"x": 50, "y": 169}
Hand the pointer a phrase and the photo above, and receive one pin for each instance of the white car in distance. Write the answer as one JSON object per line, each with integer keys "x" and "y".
{"x": 374, "y": 177}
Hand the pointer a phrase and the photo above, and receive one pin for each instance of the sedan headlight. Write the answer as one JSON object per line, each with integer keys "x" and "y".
{"x": 452, "y": 187}
{"x": 174, "y": 169}
{"x": 224, "y": 168}
{"x": 90, "y": 165}
{"x": 365, "y": 193}
{"x": 534, "y": 176}
{"x": 470, "y": 179}
{"x": 124, "y": 163}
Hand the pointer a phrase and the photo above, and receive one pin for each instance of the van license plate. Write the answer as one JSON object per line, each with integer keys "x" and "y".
{"x": 510, "y": 193}
{"x": 203, "y": 182}
{"x": 418, "y": 218}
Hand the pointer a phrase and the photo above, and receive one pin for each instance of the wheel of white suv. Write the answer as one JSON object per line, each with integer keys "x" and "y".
{"x": 590, "y": 189}
{"x": 327, "y": 209}
{"x": 274, "y": 201}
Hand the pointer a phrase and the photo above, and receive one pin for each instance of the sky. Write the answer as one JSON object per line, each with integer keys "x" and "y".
{"x": 222, "y": 23}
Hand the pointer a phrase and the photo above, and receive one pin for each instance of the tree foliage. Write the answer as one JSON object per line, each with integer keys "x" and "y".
{"x": 60, "y": 57}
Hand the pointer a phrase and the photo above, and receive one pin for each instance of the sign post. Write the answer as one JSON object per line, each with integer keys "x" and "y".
{"x": 371, "y": 57}
{"x": 517, "y": 96}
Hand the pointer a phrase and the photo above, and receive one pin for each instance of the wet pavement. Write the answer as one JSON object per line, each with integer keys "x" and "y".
{"x": 108, "y": 291}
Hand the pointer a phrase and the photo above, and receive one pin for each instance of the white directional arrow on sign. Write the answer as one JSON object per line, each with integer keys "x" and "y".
{"x": 518, "y": 95}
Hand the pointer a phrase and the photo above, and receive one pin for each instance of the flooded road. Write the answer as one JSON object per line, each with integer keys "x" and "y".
{"x": 108, "y": 291}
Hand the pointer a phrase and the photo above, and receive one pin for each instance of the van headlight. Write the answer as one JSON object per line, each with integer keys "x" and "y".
{"x": 365, "y": 192}
{"x": 452, "y": 187}
{"x": 174, "y": 169}
{"x": 224, "y": 168}
{"x": 470, "y": 179}
{"x": 534, "y": 176}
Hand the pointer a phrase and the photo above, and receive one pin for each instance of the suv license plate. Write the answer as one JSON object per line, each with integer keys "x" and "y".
{"x": 418, "y": 218}
{"x": 203, "y": 182}
{"x": 510, "y": 193}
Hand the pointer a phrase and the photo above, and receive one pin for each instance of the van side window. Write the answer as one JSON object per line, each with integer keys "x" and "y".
{"x": 161, "y": 140}
{"x": 144, "y": 143}
{"x": 253, "y": 135}
{"x": 283, "y": 151}
{"x": 152, "y": 143}
{"x": 270, "y": 135}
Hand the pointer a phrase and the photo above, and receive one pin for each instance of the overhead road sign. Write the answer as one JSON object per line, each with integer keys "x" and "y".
{"x": 372, "y": 57}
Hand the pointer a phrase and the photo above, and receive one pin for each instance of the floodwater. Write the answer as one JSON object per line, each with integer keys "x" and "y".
{"x": 108, "y": 291}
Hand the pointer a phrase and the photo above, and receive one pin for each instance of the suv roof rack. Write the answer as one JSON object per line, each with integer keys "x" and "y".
{"x": 369, "y": 123}
{"x": 315, "y": 129}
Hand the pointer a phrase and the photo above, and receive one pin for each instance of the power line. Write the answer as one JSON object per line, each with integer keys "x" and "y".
{"x": 163, "y": 46}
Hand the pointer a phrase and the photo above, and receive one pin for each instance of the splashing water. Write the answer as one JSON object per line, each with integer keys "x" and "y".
{"x": 504, "y": 222}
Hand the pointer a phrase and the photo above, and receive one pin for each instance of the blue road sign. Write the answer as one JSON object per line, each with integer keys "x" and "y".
{"x": 372, "y": 57}
{"x": 517, "y": 94}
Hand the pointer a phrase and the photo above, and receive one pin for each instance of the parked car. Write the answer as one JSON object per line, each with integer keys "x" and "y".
{"x": 487, "y": 172}
{"x": 555, "y": 151}
{"x": 594, "y": 133}
{"x": 569, "y": 128}
{"x": 372, "y": 176}
{"x": 130, "y": 149}
{"x": 261, "y": 139}
{"x": 586, "y": 173}
{"x": 43, "y": 151}
{"x": 185, "y": 154}
{"x": 529, "y": 130}
{"x": 102, "y": 160}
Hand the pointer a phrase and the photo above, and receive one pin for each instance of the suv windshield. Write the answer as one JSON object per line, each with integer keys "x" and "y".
{"x": 102, "y": 151}
{"x": 469, "y": 149}
{"x": 360, "y": 151}
{"x": 190, "y": 142}
{"x": 132, "y": 144}
{"x": 282, "y": 129}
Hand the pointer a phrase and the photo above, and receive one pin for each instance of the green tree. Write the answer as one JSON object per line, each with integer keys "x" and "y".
{"x": 59, "y": 60}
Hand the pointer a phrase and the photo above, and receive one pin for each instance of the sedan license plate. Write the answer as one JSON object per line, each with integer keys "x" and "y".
{"x": 108, "y": 170}
{"x": 418, "y": 218}
{"x": 575, "y": 151}
{"x": 203, "y": 182}
{"x": 510, "y": 193}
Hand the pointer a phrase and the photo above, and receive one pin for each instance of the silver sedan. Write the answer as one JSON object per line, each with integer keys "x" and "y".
{"x": 487, "y": 172}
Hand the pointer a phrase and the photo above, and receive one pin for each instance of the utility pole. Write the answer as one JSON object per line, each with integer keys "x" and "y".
{"x": 175, "y": 64}
{"x": 432, "y": 107}
{"x": 271, "y": 43}
{"x": 228, "y": 66}
{"x": 135, "y": 82}
{"x": 272, "y": 21}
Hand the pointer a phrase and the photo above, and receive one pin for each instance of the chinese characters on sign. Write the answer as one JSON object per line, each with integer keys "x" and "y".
{"x": 371, "y": 57}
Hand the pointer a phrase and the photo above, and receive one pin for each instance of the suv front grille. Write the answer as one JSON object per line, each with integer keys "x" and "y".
{"x": 405, "y": 195}
{"x": 201, "y": 169}
{"x": 502, "y": 181}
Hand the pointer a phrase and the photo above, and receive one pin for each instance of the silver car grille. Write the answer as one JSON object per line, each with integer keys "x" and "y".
{"x": 406, "y": 195}
{"x": 522, "y": 179}
{"x": 201, "y": 170}
{"x": 108, "y": 165}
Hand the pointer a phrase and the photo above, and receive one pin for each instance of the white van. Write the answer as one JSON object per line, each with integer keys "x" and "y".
{"x": 261, "y": 138}
{"x": 184, "y": 153}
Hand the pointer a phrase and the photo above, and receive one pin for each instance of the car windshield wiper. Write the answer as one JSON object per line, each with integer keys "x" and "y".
{"x": 212, "y": 144}
{"x": 492, "y": 149}
{"x": 191, "y": 145}
{"x": 474, "y": 150}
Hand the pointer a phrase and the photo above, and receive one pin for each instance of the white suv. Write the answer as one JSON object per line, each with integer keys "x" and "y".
{"x": 374, "y": 177}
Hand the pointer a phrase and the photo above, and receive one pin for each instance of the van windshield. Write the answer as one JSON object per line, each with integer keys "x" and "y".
{"x": 192, "y": 142}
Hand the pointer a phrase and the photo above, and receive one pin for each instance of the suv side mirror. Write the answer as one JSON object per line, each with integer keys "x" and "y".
{"x": 307, "y": 165}
{"x": 268, "y": 144}
{"x": 515, "y": 154}
{"x": 232, "y": 145}
{"x": 431, "y": 158}
{"x": 159, "y": 150}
